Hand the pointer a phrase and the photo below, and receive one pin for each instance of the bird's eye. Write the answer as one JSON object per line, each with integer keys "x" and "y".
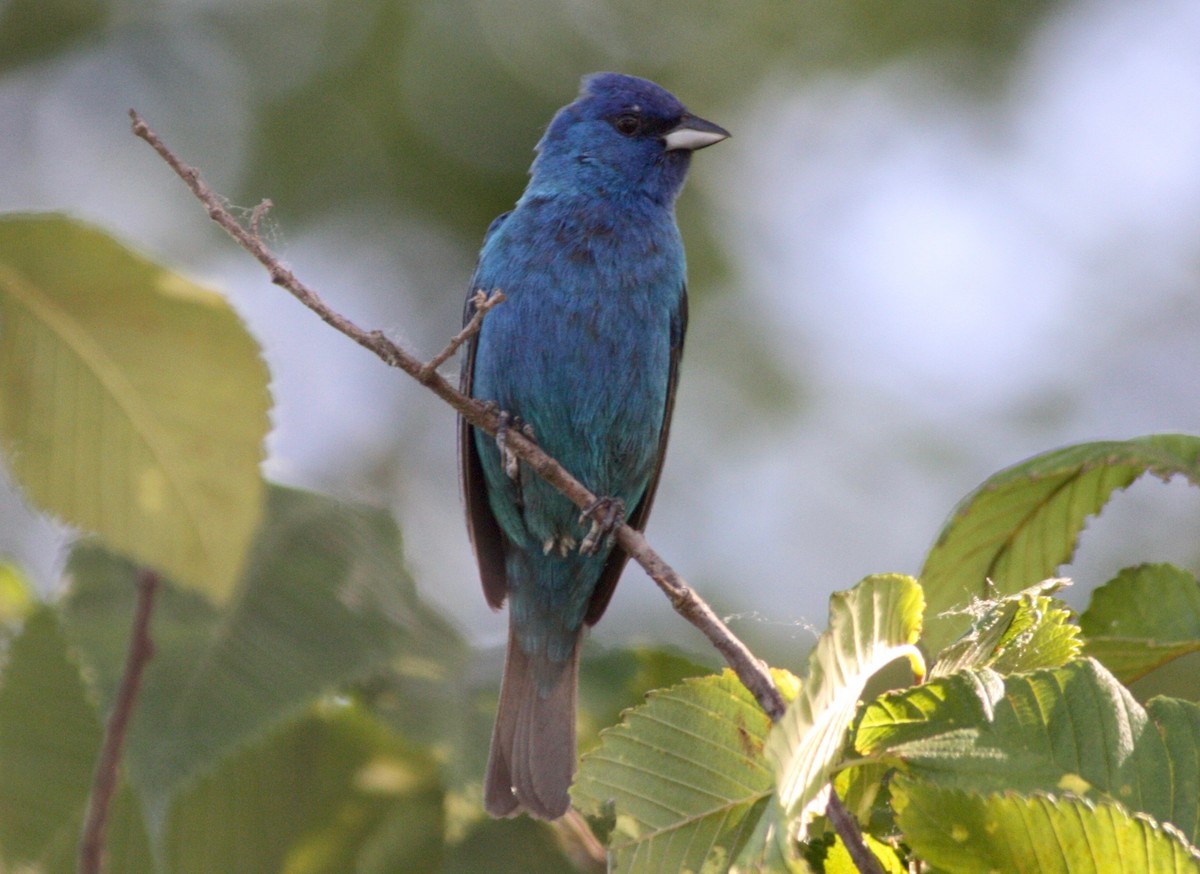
{"x": 627, "y": 125}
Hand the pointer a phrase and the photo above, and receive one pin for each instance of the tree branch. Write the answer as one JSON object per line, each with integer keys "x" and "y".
{"x": 104, "y": 783}
{"x": 753, "y": 673}
{"x": 846, "y": 826}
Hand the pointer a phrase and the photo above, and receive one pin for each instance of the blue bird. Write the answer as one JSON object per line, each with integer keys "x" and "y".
{"x": 585, "y": 351}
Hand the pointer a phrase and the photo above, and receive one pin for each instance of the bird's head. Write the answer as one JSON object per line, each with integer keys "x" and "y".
{"x": 622, "y": 136}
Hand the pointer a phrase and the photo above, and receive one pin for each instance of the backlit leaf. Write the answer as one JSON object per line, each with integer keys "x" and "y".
{"x": 1023, "y": 523}
{"x": 133, "y": 403}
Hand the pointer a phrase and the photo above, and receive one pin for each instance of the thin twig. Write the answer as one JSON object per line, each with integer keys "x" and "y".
{"x": 483, "y": 304}
{"x": 753, "y": 673}
{"x": 104, "y": 783}
{"x": 847, "y": 828}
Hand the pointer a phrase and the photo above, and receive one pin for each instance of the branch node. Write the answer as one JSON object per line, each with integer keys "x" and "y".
{"x": 256, "y": 217}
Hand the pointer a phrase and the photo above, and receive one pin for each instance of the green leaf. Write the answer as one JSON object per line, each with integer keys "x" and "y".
{"x": 1143, "y": 618}
{"x": 611, "y": 681}
{"x": 1023, "y": 523}
{"x": 1179, "y": 725}
{"x": 1071, "y": 729}
{"x": 325, "y": 600}
{"x": 49, "y": 735}
{"x": 333, "y": 792}
{"x": 965, "y": 832}
{"x": 870, "y": 626}
{"x": 133, "y": 403}
{"x": 682, "y": 778}
{"x": 1014, "y": 634}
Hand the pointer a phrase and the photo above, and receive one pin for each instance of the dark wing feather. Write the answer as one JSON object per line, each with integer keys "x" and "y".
{"x": 487, "y": 539}
{"x": 641, "y": 513}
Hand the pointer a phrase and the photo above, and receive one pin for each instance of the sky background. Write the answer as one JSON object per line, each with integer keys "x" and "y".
{"x": 945, "y": 236}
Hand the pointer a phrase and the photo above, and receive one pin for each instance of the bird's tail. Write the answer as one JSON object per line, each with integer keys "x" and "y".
{"x": 532, "y": 759}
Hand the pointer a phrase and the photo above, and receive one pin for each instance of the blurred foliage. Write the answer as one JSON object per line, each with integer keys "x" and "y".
{"x": 34, "y": 29}
{"x": 49, "y": 735}
{"x": 325, "y": 601}
{"x": 16, "y": 599}
{"x": 434, "y": 107}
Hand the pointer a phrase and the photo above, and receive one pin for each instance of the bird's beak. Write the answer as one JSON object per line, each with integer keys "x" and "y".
{"x": 694, "y": 133}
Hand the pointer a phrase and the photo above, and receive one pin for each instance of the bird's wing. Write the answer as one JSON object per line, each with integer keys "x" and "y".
{"x": 641, "y": 513}
{"x": 486, "y": 537}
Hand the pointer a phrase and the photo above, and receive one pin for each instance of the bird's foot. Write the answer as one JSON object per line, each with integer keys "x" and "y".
{"x": 508, "y": 460}
{"x": 607, "y": 515}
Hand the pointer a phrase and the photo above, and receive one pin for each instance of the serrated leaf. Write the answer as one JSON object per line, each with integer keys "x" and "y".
{"x": 49, "y": 737}
{"x": 870, "y": 626}
{"x": 133, "y": 403}
{"x": 1014, "y": 634}
{"x": 683, "y": 776}
{"x": 325, "y": 600}
{"x": 1179, "y": 725}
{"x": 1071, "y": 729}
{"x": 1023, "y": 523}
{"x": 1143, "y": 618}
{"x": 966, "y": 832}
{"x": 611, "y": 681}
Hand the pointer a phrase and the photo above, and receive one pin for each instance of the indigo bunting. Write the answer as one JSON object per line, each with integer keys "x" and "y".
{"x": 584, "y": 352}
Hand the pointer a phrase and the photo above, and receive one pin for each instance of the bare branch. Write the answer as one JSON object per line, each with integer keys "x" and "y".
{"x": 483, "y": 304}
{"x": 753, "y": 673}
{"x": 104, "y": 783}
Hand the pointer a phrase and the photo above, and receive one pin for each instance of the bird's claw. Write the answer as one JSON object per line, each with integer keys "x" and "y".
{"x": 606, "y": 515}
{"x": 508, "y": 460}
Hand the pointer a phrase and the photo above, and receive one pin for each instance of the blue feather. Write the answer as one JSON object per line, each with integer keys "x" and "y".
{"x": 585, "y": 350}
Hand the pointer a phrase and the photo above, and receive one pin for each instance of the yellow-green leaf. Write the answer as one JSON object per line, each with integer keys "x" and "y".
{"x": 1018, "y": 633}
{"x": 1022, "y": 524}
{"x": 870, "y": 626}
{"x": 1074, "y": 728}
{"x": 971, "y": 833}
{"x": 683, "y": 777}
{"x": 133, "y": 403}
